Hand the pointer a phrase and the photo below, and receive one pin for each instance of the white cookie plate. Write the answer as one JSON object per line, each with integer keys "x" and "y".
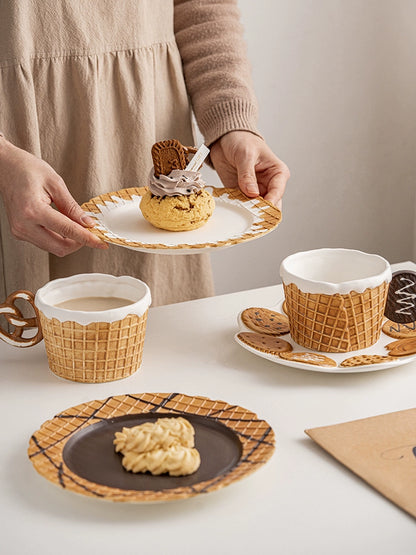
{"x": 376, "y": 349}
{"x": 236, "y": 219}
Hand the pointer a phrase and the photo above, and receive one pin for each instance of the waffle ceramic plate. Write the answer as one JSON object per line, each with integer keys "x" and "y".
{"x": 376, "y": 349}
{"x": 236, "y": 219}
{"x": 75, "y": 449}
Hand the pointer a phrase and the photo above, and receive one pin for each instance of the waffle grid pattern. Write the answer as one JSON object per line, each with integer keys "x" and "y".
{"x": 270, "y": 218}
{"x": 95, "y": 353}
{"x": 47, "y": 444}
{"x": 336, "y": 323}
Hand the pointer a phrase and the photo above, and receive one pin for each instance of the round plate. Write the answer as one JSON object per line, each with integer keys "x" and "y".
{"x": 236, "y": 219}
{"x": 376, "y": 349}
{"x": 75, "y": 450}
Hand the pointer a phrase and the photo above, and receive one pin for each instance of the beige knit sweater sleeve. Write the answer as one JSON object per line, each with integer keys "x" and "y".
{"x": 217, "y": 74}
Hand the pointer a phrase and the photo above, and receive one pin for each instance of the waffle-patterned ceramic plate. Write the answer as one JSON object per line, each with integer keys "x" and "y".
{"x": 75, "y": 449}
{"x": 236, "y": 219}
{"x": 376, "y": 349}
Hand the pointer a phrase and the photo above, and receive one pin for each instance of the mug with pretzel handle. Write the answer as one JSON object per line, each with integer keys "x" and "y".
{"x": 93, "y": 325}
{"x": 18, "y": 323}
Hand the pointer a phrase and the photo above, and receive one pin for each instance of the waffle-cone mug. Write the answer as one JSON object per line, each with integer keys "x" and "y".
{"x": 91, "y": 345}
{"x": 335, "y": 298}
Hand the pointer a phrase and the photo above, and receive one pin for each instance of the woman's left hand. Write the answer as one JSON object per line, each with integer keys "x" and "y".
{"x": 244, "y": 159}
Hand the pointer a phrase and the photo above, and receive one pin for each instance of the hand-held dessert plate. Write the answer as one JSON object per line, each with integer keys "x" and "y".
{"x": 236, "y": 219}
{"x": 75, "y": 449}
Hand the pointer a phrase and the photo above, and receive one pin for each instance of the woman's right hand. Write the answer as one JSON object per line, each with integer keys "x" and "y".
{"x": 29, "y": 186}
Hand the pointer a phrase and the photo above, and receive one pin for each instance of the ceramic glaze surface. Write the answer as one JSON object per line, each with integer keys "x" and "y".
{"x": 93, "y": 285}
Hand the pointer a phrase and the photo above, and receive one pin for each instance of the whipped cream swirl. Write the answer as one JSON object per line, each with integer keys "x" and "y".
{"x": 178, "y": 182}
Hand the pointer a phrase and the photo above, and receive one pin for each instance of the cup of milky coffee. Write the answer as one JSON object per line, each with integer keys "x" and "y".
{"x": 335, "y": 298}
{"x": 93, "y": 325}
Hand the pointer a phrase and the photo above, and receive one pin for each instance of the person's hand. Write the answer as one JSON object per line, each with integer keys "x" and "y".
{"x": 244, "y": 159}
{"x": 29, "y": 186}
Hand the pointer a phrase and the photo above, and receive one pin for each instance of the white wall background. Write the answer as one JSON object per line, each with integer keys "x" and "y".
{"x": 336, "y": 83}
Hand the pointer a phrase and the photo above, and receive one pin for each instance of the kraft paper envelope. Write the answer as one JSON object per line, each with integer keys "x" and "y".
{"x": 380, "y": 449}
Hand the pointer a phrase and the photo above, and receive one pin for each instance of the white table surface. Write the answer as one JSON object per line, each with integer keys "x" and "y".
{"x": 301, "y": 502}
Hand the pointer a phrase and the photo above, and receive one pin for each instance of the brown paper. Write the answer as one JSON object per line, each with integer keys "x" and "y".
{"x": 381, "y": 450}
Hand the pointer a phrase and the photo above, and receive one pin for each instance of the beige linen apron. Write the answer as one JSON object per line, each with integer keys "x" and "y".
{"x": 89, "y": 86}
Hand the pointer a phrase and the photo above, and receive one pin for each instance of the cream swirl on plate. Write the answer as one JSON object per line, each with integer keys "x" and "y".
{"x": 164, "y": 446}
{"x": 178, "y": 182}
{"x": 175, "y": 461}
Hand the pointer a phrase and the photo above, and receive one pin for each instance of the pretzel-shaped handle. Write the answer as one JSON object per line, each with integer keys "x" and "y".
{"x": 15, "y": 318}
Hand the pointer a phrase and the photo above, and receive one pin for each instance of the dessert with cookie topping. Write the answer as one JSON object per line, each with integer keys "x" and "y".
{"x": 176, "y": 199}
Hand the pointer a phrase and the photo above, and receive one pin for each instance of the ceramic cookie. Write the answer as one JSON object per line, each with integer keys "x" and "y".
{"x": 400, "y": 331}
{"x": 265, "y": 343}
{"x": 400, "y": 303}
{"x": 362, "y": 360}
{"x": 402, "y": 347}
{"x": 263, "y": 320}
{"x": 309, "y": 358}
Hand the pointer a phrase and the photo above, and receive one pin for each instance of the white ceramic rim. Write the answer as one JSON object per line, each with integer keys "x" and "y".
{"x": 85, "y": 285}
{"x": 307, "y": 285}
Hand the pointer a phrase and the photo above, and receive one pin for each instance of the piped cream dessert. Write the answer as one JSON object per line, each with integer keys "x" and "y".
{"x": 176, "y": 199}
{"x": 162, "y": 447}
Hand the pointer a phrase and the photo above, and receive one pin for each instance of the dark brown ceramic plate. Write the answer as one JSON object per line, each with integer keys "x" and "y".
{"x": 90, "y": 453}
{"x": 75, "y": 449}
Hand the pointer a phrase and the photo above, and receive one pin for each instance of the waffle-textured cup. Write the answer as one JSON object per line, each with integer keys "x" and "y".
{"x": 336, "y": 323}
{"x": 97, "y": 352}
{"x": 335, "y": 298}
{"x": 95, "y": 346}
